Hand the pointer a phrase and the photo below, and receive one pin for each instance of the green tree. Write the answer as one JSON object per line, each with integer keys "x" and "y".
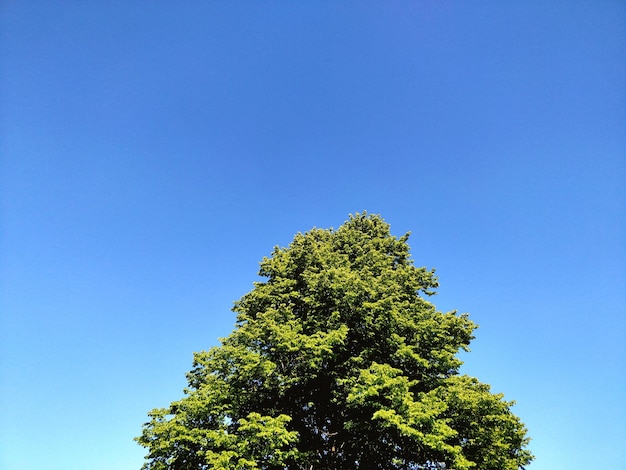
{"x": 338, "y": 361}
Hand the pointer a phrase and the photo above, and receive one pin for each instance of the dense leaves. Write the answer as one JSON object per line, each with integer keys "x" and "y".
{"x": 338, "y": 361}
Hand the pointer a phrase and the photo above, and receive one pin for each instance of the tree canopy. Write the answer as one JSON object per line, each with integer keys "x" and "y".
{"x": 338, "y": 361}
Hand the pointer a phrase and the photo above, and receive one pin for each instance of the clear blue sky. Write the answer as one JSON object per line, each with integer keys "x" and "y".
{"x": 153, "y": 152}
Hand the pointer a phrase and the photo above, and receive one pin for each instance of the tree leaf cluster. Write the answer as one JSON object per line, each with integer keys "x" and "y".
{"x": 338, "y": 360}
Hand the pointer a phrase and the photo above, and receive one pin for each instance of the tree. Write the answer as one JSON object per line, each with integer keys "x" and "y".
{"x": 338, "y": 361}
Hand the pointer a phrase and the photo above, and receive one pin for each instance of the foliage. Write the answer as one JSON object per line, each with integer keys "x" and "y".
{"x": 338, "y": 361}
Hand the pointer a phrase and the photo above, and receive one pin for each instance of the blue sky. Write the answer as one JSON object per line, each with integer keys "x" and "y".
{"x": 152, "y": 154}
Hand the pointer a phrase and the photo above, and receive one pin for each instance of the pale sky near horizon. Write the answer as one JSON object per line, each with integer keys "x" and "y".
{"x": 152, "y": 153}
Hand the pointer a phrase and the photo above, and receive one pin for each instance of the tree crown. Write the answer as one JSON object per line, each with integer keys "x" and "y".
{"x": 338, "y": 361}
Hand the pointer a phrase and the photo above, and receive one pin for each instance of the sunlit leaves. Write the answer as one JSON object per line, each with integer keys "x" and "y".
{"x": 338, "y": 361}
